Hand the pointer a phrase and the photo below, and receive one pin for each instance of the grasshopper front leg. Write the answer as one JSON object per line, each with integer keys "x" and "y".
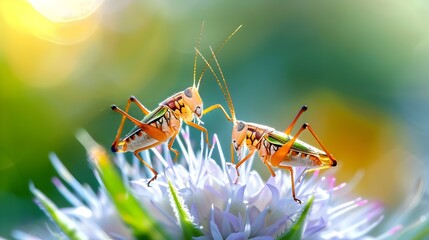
{"x": 215, "y": 106}
{"x": 202, "y": 129}
{"x": 251, "y": 152}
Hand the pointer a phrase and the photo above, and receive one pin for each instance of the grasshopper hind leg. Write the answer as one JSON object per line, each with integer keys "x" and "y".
{"x": 292, "y": 124}
{"x": 145, "y": 111}
{"x": 281, "y": 153}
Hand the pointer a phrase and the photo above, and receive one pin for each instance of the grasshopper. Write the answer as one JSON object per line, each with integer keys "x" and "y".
{"x": 277, "y": 149}
{"x": 164, "y": 123}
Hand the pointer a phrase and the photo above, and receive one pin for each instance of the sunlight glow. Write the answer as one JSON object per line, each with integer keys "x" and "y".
{"x": 25, "y": 18}
{"x": 66, "y": 10}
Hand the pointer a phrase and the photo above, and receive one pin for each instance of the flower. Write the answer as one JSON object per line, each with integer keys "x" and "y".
{"x": 197, "y": 197}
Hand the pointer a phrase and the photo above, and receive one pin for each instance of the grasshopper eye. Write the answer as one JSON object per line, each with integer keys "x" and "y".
{"x": 188, "y": 93}
{"x": 240, "y": 126}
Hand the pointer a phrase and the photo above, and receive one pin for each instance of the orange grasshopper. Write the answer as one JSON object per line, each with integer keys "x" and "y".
{"x": 163, "y": 124}
{"x": 275, "y": 148}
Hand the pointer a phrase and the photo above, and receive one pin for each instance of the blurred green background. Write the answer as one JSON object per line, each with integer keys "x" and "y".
{"x": 360, "y": 66}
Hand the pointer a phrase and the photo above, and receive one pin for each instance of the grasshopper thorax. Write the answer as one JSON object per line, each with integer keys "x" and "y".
{"x": 238, "y": 135}
{"x": 192, "y": 100}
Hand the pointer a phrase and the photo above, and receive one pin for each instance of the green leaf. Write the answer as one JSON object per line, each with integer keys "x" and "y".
{"x": 130, "y": 210}
{"x": 297, "y": 229}
{"x": 66, "y": 224}
{"x": 189, "y": 230}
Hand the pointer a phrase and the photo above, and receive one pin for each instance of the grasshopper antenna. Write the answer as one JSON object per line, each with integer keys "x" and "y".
{"x": 226, "y": 94}
{"x": 217, "y": 49}
{"x": 196, "y": 54}
{"x": 225, "y": 90}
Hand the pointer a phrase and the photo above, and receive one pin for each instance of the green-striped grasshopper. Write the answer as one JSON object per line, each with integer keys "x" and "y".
{"x": 275, "y": 148}
{"x": 163, "y": 124}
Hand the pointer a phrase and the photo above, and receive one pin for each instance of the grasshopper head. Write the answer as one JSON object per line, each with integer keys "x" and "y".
{"x": 238, "y": 135}
{"x": 192, "y": 99}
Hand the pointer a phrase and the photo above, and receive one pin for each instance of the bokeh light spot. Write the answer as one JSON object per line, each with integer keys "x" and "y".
{"x": 21, "y": 16}
{"x": 66, "y": 10}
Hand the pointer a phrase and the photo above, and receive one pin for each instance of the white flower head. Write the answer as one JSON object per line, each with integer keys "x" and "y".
{"x": 207, "y": 194}
{"x": 252, "y": 207}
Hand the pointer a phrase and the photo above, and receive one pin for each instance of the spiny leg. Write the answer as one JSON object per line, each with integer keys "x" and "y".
{"x": 152, "y": 131}
{"x": 170, "y": 144}
{"x": 213, "y": 107}
{"x": 202, "y": 129}
{"x": 242, "y": 161}
{"x": 292, "y": 180}
{"x": 292, "y": 124}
